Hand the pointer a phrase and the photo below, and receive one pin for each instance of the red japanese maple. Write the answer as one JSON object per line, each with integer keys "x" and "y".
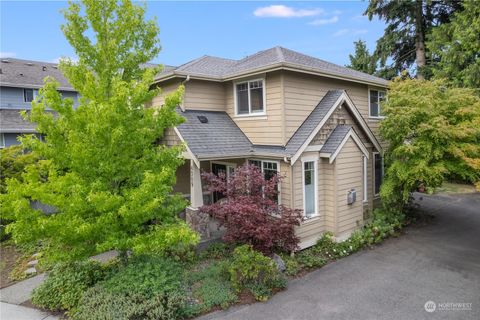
{"x": 249, "y": 210}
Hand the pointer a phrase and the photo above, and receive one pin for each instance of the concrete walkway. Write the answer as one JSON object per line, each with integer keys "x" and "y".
{"x": 11, "y": 297}
{"x": 439, "y": 262}
{"x": 13, "y": 312}
{"x": 21, "y": 291}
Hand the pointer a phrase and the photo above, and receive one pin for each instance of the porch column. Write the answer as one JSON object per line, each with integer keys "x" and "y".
{"x": 197, "y": 220}
{"x": 196, "y": 192}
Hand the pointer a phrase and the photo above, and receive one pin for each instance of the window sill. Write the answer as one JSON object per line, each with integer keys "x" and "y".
{"x": 375, "y": 118}
{"x": 247, "y": 117}
{"x": 311, "y": 219}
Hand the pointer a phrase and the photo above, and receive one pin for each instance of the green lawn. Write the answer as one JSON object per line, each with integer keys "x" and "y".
{"x": 449, "y": 187}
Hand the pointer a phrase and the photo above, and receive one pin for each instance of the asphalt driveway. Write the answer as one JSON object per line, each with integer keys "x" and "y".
{"x": 439, "y": 262}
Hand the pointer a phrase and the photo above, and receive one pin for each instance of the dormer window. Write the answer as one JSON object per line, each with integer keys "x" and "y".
{"x": 29, "y": 95}
{"x": 250, "y": 97}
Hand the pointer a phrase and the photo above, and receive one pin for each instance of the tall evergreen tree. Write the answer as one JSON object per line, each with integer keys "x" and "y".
{"x": 362, "y": 60}
{"x": 108, "y": 180}
{"x": 455, "y": 48}
{"x": 408, "y": 24}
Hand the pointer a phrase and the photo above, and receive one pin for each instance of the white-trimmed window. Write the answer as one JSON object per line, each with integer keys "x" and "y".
{"x": 376, "y": 99}
{"x": 250, "y": 97}
{"x": 309, "y": 174}
{"x": 29, "y": 94}
{"x": 269, "y": 168}
{"x": 377, "y": 172}
{"x": 365, "y": 179}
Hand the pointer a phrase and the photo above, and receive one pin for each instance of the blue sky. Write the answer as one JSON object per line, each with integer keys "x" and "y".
{"x": 324, "y": 29}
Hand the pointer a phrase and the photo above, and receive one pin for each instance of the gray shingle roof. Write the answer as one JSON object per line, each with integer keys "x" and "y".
{"x": 12, "y": 121}
{"x": 220, "y": 136}
{"x": 220, "y": 68}
{"x": 30, "y": 74}
{"x": 311, "y": 122}
{"x": 335, "y": 138}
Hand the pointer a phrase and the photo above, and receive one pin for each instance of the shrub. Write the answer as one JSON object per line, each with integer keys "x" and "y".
{"x": 99, "y": 303}
{"x": 310, "y": 258}
{"x": 249, "y": 211}
{"x": 66, "y": 284}
{"x": 211, "y": 287}
{"x": 218, "y": 250}
{"x": 149, "y": 287}
{"x": 292, "y": 266}
{"x": 252, "y": 270}
{"x": 176, "y": 241}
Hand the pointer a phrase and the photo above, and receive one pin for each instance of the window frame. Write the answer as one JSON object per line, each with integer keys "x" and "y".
{"x": 379, "y": 116}
{"x": 278, "y": 173}
{"x": 2, "y": 140}
{"x": 264, "y": 98}
{"x": 313, "y": 159}
{"x": 376, "y": 195}
{"x": 34, "y": 94}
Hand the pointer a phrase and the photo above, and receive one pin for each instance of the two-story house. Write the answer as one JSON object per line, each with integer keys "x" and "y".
{"x": 313, "y": 122}
{"x": 19, "y": 84}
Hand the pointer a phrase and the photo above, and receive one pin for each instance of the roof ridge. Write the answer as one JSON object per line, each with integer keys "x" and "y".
{"x": 280, "y": 53}
{"x": 191, "y": 62}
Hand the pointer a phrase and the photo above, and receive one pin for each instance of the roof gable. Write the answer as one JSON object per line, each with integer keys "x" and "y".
{"x": 319, "y": 116}
{"x": 337, "y": 139}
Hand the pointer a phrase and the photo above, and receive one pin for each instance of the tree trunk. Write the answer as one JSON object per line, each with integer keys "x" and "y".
{"x": 419, "y": 39}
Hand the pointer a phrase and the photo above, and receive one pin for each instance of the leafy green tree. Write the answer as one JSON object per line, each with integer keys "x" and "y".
{"x": 108, "y": 179}
{"x": 455, "y": 47}
{"x": 408, "y": 23}
{"x": 362, "y": 60}
{"x": 432, "y": 132}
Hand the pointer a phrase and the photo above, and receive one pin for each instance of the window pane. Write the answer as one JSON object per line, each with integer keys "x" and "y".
{"x": 309, "y": 188}
{"x": 256, "y": 163}
{"x": 242, "y": 98}
{"x": 373, "y": 103}
{"x": 256, "y": 97}
{"x": 28, "y": 95}
{"x": 378, "y": 172}
{"x": 381, "y": 99}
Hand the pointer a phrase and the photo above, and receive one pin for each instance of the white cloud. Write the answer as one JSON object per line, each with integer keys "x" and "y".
{"x": 4, "y": 54}
{"x": 281, "y": 11}
{"x": 321, "y": 22}
{"x": 354, "y": 32}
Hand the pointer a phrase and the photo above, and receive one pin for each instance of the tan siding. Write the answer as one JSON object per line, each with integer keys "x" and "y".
{"x": 166, "y": 88}
{"x": 183, "y": 178}
{"x": 258, "y": 129}
{"x": 286, "y": 184}
{"x": 349, "y": 217}
{"x": 170, "y": 138}
{"x": 204, "y": 95}
{"x": 303, "y": 92}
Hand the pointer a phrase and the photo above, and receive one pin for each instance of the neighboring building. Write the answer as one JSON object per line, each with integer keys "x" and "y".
{"x": 313, "y": 122}
{"x": 19, "y": 84}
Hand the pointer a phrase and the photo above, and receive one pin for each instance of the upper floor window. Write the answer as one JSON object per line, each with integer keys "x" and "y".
{"x": 29, "y": 94}
{"x": 250, "y": 97}
{"x": 376, "y": 99}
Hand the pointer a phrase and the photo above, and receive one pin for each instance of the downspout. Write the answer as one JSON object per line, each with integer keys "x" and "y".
{"x": 182, "y": 105}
